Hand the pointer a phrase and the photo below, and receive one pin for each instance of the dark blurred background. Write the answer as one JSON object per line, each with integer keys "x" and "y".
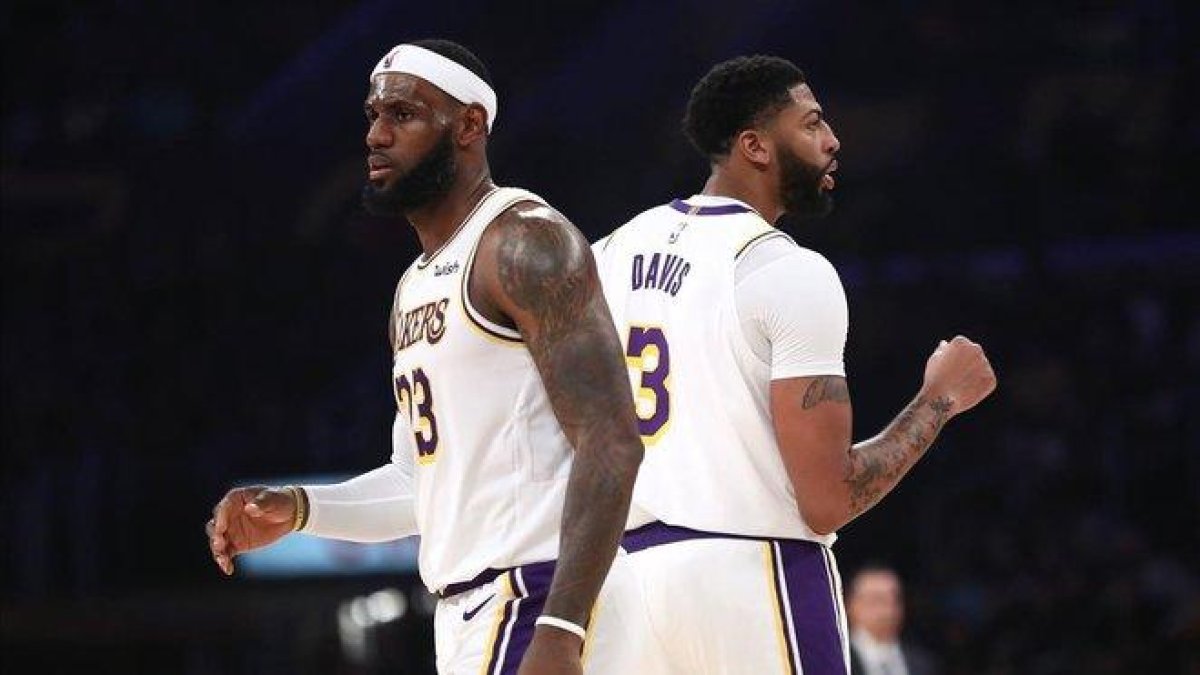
{"x": 192, "y": 296}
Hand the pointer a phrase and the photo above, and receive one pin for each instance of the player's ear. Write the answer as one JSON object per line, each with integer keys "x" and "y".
{"x": 472, "y": 124}
{"x": 754, "y": 145}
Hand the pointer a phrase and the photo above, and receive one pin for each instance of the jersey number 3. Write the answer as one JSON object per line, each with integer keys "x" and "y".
{"x": 648, "y": 353}
{"x": 414, "y": 398}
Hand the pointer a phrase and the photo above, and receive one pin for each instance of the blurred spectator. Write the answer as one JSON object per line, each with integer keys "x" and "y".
{"x": 875, "y": 611}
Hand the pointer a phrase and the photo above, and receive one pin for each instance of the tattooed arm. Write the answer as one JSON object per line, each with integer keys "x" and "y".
{"x": 536, "y": 270}
{"x": 835, "y": 481}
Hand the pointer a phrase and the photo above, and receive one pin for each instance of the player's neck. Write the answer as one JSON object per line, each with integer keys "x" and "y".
{"x": 725, "y": 183}
{"x": 436, "y": 223}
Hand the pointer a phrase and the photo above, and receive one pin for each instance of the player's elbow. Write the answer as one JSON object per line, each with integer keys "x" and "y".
{"x": 822, "y": 504}
{"x": 617, "y": 450}
{"x": 631, "y": 452}
{"x": 823, "y": 528}
{"x": 822, "y": 520}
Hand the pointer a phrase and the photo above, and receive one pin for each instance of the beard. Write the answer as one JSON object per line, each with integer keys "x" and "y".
{"x": 800, "y": 183}
{"x": 428, "y": 181}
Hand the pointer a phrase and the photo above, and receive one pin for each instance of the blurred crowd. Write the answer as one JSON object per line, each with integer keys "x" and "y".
{"x": 1056, "y": 532}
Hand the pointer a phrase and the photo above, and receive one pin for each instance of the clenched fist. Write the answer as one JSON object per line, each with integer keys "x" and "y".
{"x": 959, "y": 371}
{"x": 248, "y": 518}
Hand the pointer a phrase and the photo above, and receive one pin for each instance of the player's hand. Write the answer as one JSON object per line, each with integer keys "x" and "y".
{"x": 959, "y": 371}
{"x": 248, "y": 518}
{"x": 552, "y": 652}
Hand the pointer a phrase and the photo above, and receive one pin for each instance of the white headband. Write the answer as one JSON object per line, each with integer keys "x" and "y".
{"x": 452, "y": 78}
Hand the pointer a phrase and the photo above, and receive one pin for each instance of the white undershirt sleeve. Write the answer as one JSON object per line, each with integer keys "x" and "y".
{"x": 792, "y": 308}
{"x": 375, "y": 506}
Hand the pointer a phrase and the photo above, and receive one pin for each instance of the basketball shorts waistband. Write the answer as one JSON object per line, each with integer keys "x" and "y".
{"x": 647, "y": 536}
{"x": 489, "y": 575}
{"x": 659, "y": 533}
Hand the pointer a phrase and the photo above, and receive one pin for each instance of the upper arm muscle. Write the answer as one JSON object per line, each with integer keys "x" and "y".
{"x": 813, "y": 418}
{"x": 538, "y": 270}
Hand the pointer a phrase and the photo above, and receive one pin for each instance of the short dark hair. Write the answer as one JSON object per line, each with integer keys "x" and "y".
{"x": 871, "y": 567}
{"x": 458, "y": 54}
{"x": 735, "y": 95}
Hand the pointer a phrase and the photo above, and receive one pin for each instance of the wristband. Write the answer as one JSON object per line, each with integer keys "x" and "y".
{"x": 561, "y": 624}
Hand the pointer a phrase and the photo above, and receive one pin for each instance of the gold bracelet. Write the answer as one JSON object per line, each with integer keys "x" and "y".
{"x": 300, "y": 499}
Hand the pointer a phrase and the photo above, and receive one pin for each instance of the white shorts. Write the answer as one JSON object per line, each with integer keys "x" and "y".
{"x": 720, "y": 604}
{"x": 486, "y": 630}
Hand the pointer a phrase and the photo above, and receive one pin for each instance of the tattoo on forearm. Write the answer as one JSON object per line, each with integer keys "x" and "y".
{"x": 826, "y": 388}
{"x": 876, "y": 465}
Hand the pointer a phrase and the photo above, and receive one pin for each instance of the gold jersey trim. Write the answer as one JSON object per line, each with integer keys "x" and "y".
{"x": 423, "y": 262}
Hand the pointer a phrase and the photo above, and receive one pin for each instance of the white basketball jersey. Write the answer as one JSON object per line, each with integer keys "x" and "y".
{"x": 703, "y": 397}
{"x": 491, "y": 461}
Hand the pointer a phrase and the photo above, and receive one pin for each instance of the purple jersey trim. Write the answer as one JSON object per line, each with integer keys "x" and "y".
{"x": 658, "y": 533}
{"x": 484, "y": 577}
{"x": 722, "y": 210}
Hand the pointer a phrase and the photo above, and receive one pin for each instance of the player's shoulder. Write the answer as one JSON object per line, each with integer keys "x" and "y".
{"x": 529, "y": 239}
{"x": 527, "y": 244}
{"x": 524, "y": 216}
{"x": 518, "y": 214}
{"x": 652, "y": 215}
{"x": 807, "y": 256}
{"x": 518, "y": 207}
{"x": 785, "y": 259}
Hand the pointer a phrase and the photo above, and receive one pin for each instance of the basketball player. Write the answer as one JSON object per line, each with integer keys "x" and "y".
{"x": 735, "y": 336}
{"x": 506, "y": 366}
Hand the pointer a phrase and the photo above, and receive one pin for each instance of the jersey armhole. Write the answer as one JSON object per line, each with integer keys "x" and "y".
{"x": 392, "y": 313}
{"x": 474, "y": 316}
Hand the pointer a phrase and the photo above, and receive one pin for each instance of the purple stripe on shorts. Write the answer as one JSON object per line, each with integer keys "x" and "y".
{"x": 813, "y": 607}
{"x": 531, "y": 583}
{"x": 498, "y": 643}
{"x": 834, "y": 583}
{"x": 722, "y": 210}
{"x": 781, "y": 601}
